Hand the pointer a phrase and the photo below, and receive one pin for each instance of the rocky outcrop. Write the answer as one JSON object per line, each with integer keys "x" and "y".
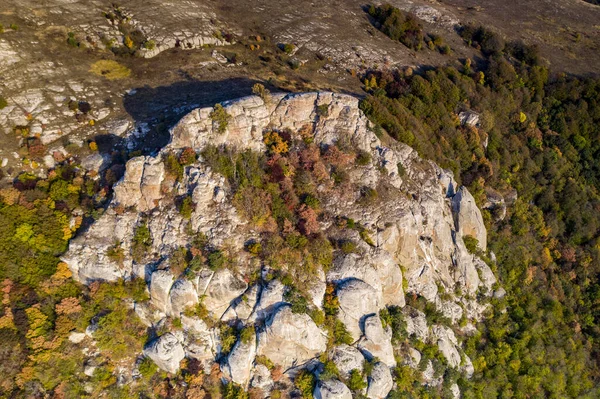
{"x": 166, "y": 351}
{"x": 183, "y": 295}
{"x": 447, "y": 344}
{"x": 419, "y": 223}
{"x": 332, "y": 389}
{"x": 261, "y": 378}
{"x": 239, "y": 361}
{"x": 291, "y": 339}
{"x": 378, "y": 269}
{"x": 160, "y": 287}
{"x": 380, "y": 382}
{"x": 377, "y": 341}
{"x": 467, "y": 217}
{"x": 222, "y": 288}
{"x": 271, "y": 297}
{"x": 357, "y": 300}
{"x": 346, "y": 359}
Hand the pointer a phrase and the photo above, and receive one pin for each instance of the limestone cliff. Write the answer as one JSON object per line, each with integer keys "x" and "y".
{"x": 411, "y": 244}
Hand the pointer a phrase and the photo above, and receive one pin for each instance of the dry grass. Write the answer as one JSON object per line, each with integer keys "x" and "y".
{"x": 110, "y": 69}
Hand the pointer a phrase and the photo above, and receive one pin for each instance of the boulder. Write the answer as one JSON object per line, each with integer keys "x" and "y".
{"x": 331, "y": 389}
{"x": 380, "y": 381}
{"x": 486, "y": 275}
{"x": 271, "y": 297}
{"x": 469, "y": 118}
{"x": 357, "y": 299}
{"x": 378, "y": 269}
{"x": 93, "y": 162}
{"x": 290, "y": 339}
{"x": 243, "y": 306}
{"x": 183, "y": 295}
{"x": 377, "y": 341}
{"x": 261, "y": 378}
{"x": 467, "y": 217}
{"x": 161, "y": 282}
{"x": 166, "y": 351}
{"x": 346, "y": 359}
{"x": 223, "y": 288}
{"x": 447, "y": 344}
{"x": 239, "y": 361}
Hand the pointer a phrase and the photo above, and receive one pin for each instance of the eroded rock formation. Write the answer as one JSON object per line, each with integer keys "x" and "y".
{"x": 411, "y": 244}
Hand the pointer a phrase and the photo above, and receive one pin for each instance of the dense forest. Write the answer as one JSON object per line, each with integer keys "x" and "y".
{"x": 538, "y": 134}
{"x": 537, "y": 142}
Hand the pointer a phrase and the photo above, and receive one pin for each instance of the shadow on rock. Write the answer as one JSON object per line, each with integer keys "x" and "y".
{"x": 157, "y": 109}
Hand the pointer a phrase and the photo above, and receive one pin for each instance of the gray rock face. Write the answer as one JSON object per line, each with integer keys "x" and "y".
{"x": 469, "y": 118}
{"x": 380, "y": 382}
{"x": 447, "y": 344}
{"x": 357, "y": 300}
{"x": 239, "y": 361}
{"x": 416, "y": 324}
{"x": 378, "y": 268}
{"x": 261, "y": 378}
{"x": 421, "y": 228}
{"x": 183, "y": 295}
{"x": 166, "y": 351}
{"x": 271, "y": 297}
{"x": 468, "y": 218}
{"x": 223, "y": 288}
{"x": 346, "y": 359}
{"x": 140, "y": 187}
{"x": 291, "y": 339}
{"x": 377, "y": 341}
{"x": 332, "y": 389}
{"x": 160, "y": 286}
{"x": 93, "y": 162}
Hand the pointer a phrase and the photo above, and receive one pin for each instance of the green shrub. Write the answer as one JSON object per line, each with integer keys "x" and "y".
{"x": 471, "y": 243}
{"x": 233, "y": 391}
{"x": 220, "y": 117}
{"x": 297, "y": 300}
{"x": 142, "y": 242}
{"x": 216, "y": 260}
{"x": 349, "y": 247}
{"x": 116, "y": 253}
{"x": 363, "y": 158}
{"x": 288, "y": 48}
{"x": 173, "y": 167}
{"x": 147, "y": 368}
{"x": 72, "y": 40}
{"x": 305, "y": 382}
{"x": 398, "y": 25}
{"x": 228, "y": 337}
{"x": 150, "y": 44}
{"x": 356, "y": 382}
{"x": 247, "y": 334}
{"x": 341, "y": 334}
{"x": 330, "y": 370}
{"x": 323, "y": 110}
{"x": 3, "y": 102}
{"x": 260, "y": 90}
{"x": 186, "y": 207}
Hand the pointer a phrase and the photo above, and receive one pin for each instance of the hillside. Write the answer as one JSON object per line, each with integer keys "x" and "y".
{"x": 329, "y": 200}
